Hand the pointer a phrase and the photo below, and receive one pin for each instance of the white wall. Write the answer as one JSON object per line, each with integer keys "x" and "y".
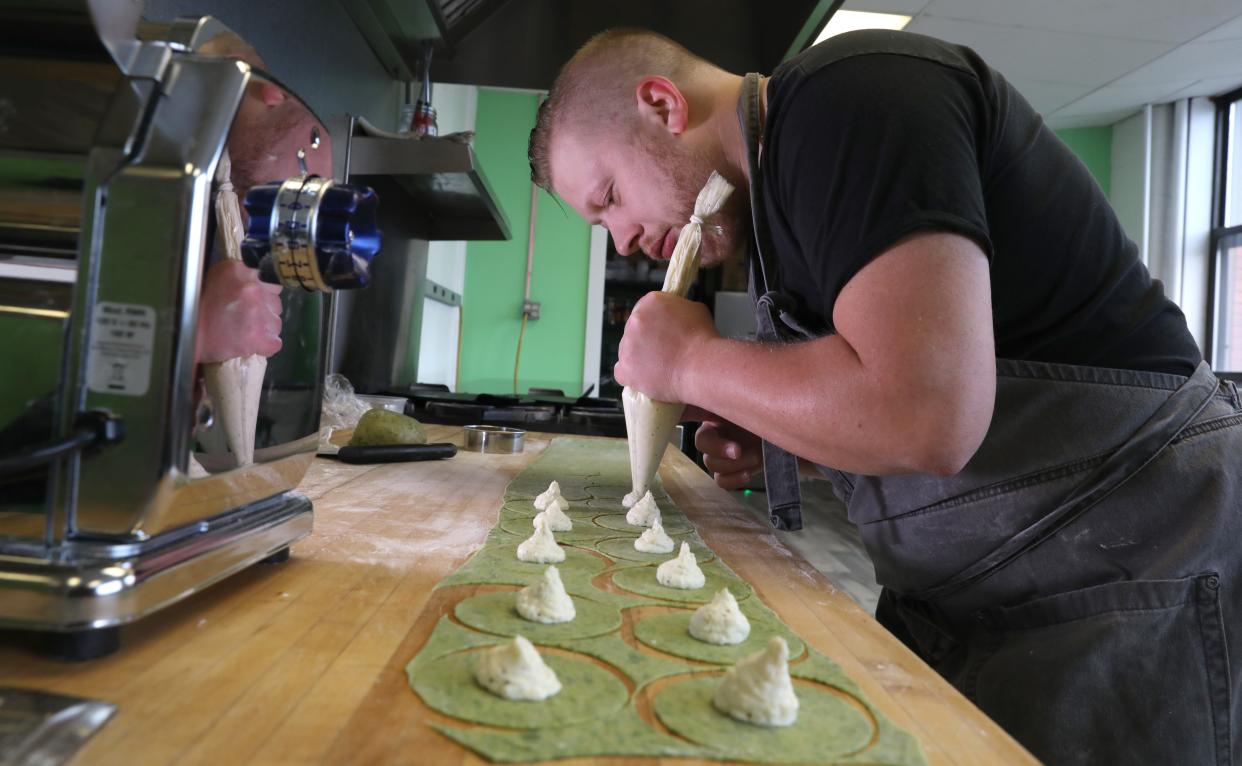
{"x": 446, "y": 261}
{"x": 594, "y": 310}
{"x": 1128, "y": 181}
{"x": 1162, "y": 192}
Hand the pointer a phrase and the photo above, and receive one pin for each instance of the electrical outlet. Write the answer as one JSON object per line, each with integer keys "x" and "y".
{"x": 530, "y": 310}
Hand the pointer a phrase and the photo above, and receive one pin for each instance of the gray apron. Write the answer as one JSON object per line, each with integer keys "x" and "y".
{"x": 1078, "y": 580}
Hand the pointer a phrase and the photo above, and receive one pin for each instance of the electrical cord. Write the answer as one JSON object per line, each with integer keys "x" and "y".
{"x": 517, "y": 359}
{"x": 461, "y": 330}
{"x": 92, "y": 428}
{"x": 530, "y": 262}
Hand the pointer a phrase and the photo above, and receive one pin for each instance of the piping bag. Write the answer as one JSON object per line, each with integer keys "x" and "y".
{"x": 649, "y": 422}
{"x": 235, "y": 385}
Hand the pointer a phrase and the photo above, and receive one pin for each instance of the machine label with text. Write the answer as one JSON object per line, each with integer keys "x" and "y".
{"x": 122, "y": 340}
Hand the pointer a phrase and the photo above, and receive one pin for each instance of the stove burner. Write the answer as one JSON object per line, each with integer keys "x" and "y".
{"x": 520, "y": 414}
{"x": 596, "y": 416}
{"x": 534, "y": 412}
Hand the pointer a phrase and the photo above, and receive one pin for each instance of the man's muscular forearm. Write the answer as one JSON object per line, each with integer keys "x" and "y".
{"x": 907, "y": 386}
{"x": 817, "y": 400}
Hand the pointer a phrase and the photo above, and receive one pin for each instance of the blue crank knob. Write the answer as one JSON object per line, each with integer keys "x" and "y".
{"x": 312, "y": 233}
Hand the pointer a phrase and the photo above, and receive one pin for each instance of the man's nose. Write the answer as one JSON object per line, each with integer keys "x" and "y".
{"x": 625, "y": 237}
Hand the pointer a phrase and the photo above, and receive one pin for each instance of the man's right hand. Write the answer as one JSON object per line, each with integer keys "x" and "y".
{"x": 237, "y": 314}
{"x": 730, "y": 452}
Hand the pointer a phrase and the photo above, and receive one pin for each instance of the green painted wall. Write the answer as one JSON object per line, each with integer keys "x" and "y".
{"x": 1094, "y": 146}
{"x": 496, "y": 271}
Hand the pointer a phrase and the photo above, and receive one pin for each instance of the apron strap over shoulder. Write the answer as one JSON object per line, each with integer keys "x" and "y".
{"x": 780, "y": 469}
{"x": 1168, "y": 421}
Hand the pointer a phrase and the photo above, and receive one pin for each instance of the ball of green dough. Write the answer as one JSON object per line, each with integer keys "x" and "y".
{"x": 382, "y": 427}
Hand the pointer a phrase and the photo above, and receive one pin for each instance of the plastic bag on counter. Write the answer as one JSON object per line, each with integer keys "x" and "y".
{"x": 341, "y": 409}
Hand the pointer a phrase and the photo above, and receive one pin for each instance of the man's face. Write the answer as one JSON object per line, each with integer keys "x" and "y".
{"x": 642, "y": 186}
{"x": 269, "y": 129}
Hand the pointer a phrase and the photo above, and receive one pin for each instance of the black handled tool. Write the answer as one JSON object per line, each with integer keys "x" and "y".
{"x": 396, "y": 453}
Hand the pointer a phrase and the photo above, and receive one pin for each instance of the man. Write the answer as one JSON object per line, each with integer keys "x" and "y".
{"x": 954, "y": 325}
{"x": 238, "y": 314}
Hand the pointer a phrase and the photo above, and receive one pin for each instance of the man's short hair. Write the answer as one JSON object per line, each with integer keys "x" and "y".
{"x": 595, "y": 88}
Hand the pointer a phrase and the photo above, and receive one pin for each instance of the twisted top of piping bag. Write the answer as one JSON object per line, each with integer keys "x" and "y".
{"x": 683, "y": 267}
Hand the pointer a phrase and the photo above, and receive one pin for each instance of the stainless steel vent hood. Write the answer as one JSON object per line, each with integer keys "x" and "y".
{"x": 523, "y": 43}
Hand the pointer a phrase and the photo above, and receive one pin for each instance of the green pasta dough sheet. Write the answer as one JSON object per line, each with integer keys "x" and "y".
{"x": 642, "y": 580}
{"x": 828, "y": 728}
{"x": 595, "y": 715}
{"x": 670, "y": 633}
{"x": 587, "y": 691}
{"x": 496, "y": 613}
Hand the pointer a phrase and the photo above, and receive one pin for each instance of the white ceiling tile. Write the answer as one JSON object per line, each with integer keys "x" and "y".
{"x": 1231, "y": 30}
{"x": 1045, "y": 55}
{"x": 1090, "y": 120}
{"x": 1157, "y": 20}
{"x": 1209, "y": 86}
{"x": 1115, "y": 97}
{"x": 1047, "y": 97}
{"x": 907, "y": 7}
{"x": 1189, "y": 62}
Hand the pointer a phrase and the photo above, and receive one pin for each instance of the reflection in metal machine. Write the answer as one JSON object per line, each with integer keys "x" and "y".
{"x": 117, "y": 495}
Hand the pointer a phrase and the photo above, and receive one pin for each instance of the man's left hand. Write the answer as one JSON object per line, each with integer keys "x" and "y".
{"x": 662, "y": 333}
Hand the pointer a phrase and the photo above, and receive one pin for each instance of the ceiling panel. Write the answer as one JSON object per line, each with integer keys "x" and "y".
{"x": 1045, "y": 55}
{"x": 1209, "y": 86}
{"x": 1228, "y": 31}
{"x": 1156, "y": 20}
{"x": 1047, "y": 97}
{"x": 1115, "y": 97}
{"x": 1189, "y": 62}
{"x": 1091, "y": 121}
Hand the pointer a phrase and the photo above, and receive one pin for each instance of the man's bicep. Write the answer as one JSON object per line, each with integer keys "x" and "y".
{"x": 920, "y": 313}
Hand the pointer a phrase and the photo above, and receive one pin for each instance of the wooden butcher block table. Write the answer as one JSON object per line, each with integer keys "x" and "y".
{"x": 304, "y": 661}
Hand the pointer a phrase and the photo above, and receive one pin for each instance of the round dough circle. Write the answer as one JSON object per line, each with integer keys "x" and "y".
{"x": 503, "y": 560}
{"x": 670, "y": 633}
{"x": 642, "y": 580}
{"x": 673, "y": 525}
{"x": 495, "y": 613}
{"x": 522, "y": 489}
{"x": 588, "y": 691}
{"x": 828, "y": 728}
{"x": 622, "y": 548}
{"x": 583, "y": 532}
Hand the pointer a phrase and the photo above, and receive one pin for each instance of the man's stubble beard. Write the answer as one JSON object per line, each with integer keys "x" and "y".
{"x": 726, "y": 233}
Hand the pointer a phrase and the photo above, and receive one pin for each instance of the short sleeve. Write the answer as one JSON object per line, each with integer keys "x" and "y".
{"x": 868, "y": 150}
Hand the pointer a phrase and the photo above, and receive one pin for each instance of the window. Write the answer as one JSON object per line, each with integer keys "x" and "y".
{"x": 1226, "y": 342}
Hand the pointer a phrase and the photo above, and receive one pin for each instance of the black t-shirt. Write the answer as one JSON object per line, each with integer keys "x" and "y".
{"x": 872, "y": 136}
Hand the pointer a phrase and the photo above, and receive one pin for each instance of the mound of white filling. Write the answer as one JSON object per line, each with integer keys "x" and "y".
{"x": 515, "y": 671}
{"x": 720, "y": 621}
{"x": 758, "y": 689}
{"x": 682, "y": 572}
{"x": 654, "y": 540}
{"x": 630, "y": 499}
{"x": 541, "y": 547}
{"x": 551, "y": 496}
{"x": 644, "y": 512}
{"x": 554, "y": 518}
{"x": 546, "y": 601}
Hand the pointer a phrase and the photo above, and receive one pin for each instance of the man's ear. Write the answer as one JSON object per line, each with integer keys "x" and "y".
{"x": 271, "y": 94}
{"x": 661, "y": 104}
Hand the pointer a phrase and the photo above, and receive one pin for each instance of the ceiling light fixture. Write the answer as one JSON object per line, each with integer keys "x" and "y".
{"x": 847, "y": 21}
